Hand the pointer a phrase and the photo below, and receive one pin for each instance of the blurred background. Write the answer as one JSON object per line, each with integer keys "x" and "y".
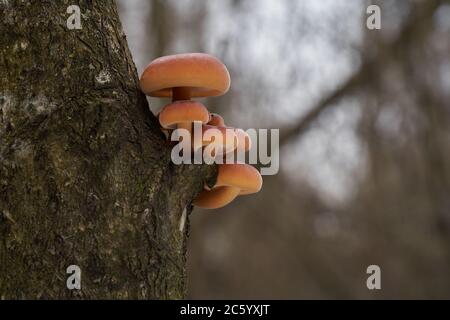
{"x": 364, "y": 119}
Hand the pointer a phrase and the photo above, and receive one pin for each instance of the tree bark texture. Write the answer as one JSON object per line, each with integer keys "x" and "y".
{"x": 85, "y": 172}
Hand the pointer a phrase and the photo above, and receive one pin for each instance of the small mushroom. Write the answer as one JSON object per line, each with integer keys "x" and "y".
{"x": 181, "y": 114}
{"x": 241, "y": 140}
{"x": 216, "y": 120}
{"x": 232, "y": 180}
{"x": 228, "y": 139}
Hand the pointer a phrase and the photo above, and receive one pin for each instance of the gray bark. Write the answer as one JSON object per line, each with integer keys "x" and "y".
{"x": 85, "y": 172}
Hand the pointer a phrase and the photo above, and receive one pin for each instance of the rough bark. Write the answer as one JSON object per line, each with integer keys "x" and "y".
{"x": 85, "y": 173}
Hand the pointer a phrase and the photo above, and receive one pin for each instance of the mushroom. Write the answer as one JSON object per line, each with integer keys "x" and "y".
{"x": 228, "y": 139}
{"x": 183, "y": 76}
{"x": 181, "y": 114}
{"x": 232, "y": 180}
{"x": 216, "y": 120}
{"x": 241, "y": 140}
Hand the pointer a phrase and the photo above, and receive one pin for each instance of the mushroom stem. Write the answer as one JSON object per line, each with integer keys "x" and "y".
{"x": 185, "y": 125}
{"x": 181, "y": 93}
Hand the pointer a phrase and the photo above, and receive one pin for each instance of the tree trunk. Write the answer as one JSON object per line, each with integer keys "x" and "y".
{"x": 86, "y": 177}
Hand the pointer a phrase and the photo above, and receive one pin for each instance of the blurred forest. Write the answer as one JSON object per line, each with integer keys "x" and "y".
{"x": 364, "y": 118}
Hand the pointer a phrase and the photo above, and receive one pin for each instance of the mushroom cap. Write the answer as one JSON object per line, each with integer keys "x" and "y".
{"x": 204, "y": 74}
{"x": 216, "y": 198}
{"x": 216, "y": 120}
{"x": 232, "y": 180}
{"x": 242, "y": 176}
{"x": 227, "y": 143}
{"x": 182, "y": 112}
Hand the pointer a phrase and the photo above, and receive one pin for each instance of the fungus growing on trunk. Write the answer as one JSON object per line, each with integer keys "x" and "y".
{"x": 182, "y": 77}
{"x": 233, "y": 180}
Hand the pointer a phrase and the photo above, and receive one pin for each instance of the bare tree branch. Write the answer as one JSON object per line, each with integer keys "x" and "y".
{"x": 422, "y": 11}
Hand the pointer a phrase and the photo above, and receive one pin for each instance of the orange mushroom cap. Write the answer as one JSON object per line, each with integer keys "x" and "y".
{"x": 239, "y": 139}
{"x": 204, "y": 74}
{"x": 182, "y": 112}
{"x": 232, "y": 178}
{"x": 242, "y": 138}
{"x": 227, "y": 142}
{"x": 242, "y": 176}
{"x": 216, "y": 120}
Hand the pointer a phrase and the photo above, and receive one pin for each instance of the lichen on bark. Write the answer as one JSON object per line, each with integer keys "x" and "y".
{"x": 85, "y": 172}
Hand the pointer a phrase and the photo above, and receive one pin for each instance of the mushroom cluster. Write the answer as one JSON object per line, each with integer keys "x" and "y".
{"x": 182, "y": 77}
